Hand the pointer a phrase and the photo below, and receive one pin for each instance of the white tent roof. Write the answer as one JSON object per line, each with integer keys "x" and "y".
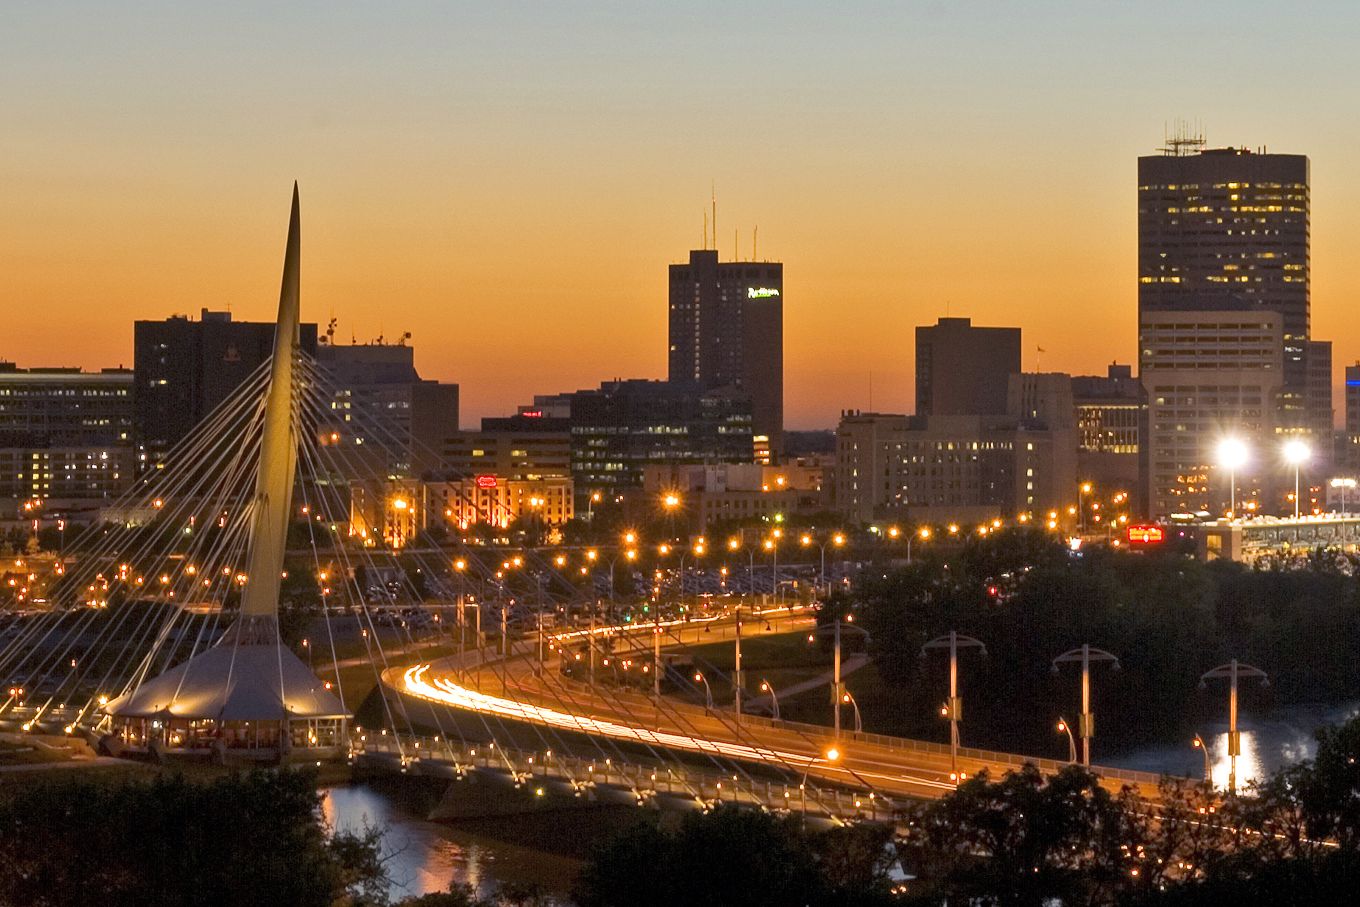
{"x": 233, "y": 683}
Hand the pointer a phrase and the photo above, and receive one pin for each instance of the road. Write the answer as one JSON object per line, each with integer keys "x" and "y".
{"x": 514, "y": 688}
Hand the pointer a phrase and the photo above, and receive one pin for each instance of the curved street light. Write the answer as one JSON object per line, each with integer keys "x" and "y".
{"x": 708, "y": 690}
{"x": 953, "y": 708}
{"x": 1086, "y": 721}
{"x": 1065, "y": 728}
{"x": 1198, "y": 743}
{"x": 847, "y": 698}
{"x": 774, "y": 700}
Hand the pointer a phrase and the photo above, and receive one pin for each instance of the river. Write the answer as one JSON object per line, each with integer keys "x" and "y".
{"x": 1269, "y": 742}
{"x": 423, "y": 857}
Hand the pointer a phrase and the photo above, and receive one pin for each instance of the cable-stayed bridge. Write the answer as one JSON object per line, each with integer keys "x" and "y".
{"x": 227, "y": 609}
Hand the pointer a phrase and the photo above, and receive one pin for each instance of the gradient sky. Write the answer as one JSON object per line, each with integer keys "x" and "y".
{"x": 509, "y": 181}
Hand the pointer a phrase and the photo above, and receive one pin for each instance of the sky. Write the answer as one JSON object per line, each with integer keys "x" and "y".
{"x": 508, "y": 181}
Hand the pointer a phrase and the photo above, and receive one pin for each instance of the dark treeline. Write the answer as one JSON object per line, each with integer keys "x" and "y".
{"x": 1027, "y": 840}
{"x": 1167, "y": 616}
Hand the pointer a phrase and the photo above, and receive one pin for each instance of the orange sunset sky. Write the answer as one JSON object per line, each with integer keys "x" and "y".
{"x": 509, "y": 183}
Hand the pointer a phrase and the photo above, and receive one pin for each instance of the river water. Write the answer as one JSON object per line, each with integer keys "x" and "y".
{"x": 1268, "y": 743}
{"x": 424, "y": 857}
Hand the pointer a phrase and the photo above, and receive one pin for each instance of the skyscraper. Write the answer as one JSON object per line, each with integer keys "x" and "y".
{"x": 727, "y": 335}
{"x": 963, "y": 370}
{"x": 183, "y": 369}
{"x": 1228, "y": 229}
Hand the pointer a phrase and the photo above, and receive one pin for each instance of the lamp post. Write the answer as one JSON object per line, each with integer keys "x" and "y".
{"x": 1064, "y": 727}
{"x": 774, "y": 700}
{"x": 708, "y": 690}
{"x": 837, "y": 686}
{"x": 837, "y": 540}
{"x": 831, "y": 755}
{"x": 1232, "y": 456}
{"x": 736, "y": 670}
{"x": 1082, "y": 490}
{"x": 1296, "y": 453}
{"x": 850, "y": 701}
{"x": 772, "y": 546}
{"x": 953, "y": 709}
{"x": 1198, "y": 743}
{"x": 923, "y": 534}
{"x": 1086, "y": 722}
{"x": 1233, "y": 670}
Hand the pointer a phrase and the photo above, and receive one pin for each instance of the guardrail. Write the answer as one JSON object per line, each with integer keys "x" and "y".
{"x": 645, "y": 782}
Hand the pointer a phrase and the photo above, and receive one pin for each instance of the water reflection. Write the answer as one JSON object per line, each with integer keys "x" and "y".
{"x": 423, "y": 857}
{"x": 1268, "y": 743}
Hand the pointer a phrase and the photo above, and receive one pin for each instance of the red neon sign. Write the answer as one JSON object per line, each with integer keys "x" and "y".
{"x": 1146, "y": 535}
{"x": 486, "y": 481}
{"x": 532, "y": 413}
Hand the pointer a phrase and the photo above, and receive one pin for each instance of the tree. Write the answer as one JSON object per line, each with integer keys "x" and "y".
{"x": 245, "y": 839}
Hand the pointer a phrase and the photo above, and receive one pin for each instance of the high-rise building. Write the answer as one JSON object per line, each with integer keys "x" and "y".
{"x": 1228, "y": 229}
{"x": 183, "y": 369}
{"x": 65, "y": 439}
{"x": 379, "y": 400}
{"x": 962, "y": 370}
{"x": 727, "y": 335}
{"x": 1209, "y": 376}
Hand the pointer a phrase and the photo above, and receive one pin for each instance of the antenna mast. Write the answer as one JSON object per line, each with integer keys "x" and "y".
{"x": 755, "y": 241}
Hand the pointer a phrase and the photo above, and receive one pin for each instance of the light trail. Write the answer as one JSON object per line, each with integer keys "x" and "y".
{"x": 643, "y": 625}
{"x": 445, "y": 691}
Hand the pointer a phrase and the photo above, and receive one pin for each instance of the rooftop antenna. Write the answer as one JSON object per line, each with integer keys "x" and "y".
{"x": 871, "y": 391}
{"x": 1182, "y": 139}
{"x": 713, "y": 197}
{"x": 755, "y": 243}
{"x": 705, "y": 229}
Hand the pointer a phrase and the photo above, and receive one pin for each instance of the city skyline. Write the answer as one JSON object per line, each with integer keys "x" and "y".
{"x": 475, "y": 187}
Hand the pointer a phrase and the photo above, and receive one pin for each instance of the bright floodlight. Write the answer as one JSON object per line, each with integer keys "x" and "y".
{"x": 1296, "y": 452}
{"x": 1232, "y": 453}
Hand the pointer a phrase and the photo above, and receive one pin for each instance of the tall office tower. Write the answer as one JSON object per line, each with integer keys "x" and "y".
{"x": 963, "y": 370}
{"x": 379, "y": 400}
{"x": 183, "y": 369}
{"x": 727, "y": 336}
{"x": 1209, "y": 376}
{"x": 1227, "y": 229}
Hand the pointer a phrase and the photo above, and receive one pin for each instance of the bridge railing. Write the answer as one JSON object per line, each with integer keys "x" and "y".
{"x": 644, "y": 781}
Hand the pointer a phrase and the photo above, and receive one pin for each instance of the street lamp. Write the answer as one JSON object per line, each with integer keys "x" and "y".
{"x": 831, "y": 755}
{"x": 1233, "y": 670}
{"x": 708, "y": 690}
{"x": 953, "y": 709}
{"x": 774, "y": 700}
{"x": 923, "y": 534}
{"x": 1198, "y": 743}
{"x": 1065, "y": 728}
{"x": 837, "y": 540}
{"x": 850, "y": 701}
{"x": 1082, "y": 490}
{"x": 772, "y": 546}
{"x": 1086, "y": 722}
{"x": 1232, "y": 456}
{"x": 1296, "y": 453}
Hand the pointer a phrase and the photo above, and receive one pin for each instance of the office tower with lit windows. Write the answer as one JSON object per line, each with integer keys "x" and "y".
{"x": 184, "y": 368}
{"x": 1209, "y": 376}
{"x": 1228, "y": 229}
{"x": 65, "y": 440}
{"x": 727, "y": 336}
